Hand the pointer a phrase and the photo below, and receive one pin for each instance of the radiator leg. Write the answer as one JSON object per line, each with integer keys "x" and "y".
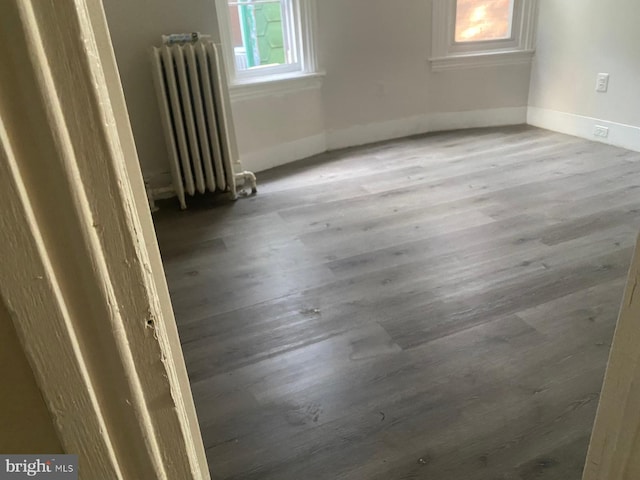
{"x": 181, "y": 199}
{"x": 248, "y": 178}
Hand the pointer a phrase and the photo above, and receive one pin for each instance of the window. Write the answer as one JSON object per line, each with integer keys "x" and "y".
{"x": 267, "y": 39}
{"x": 482, "y": 21}
{"x": 468, "y": 33}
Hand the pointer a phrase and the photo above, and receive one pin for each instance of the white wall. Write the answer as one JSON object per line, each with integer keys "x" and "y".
{"x": 378, "y": 82}
{"x": 135, "y": 26}
{"x": 376, "y": 55}
{"x": 577, "y": 39}
{"x": 277, "y": 129}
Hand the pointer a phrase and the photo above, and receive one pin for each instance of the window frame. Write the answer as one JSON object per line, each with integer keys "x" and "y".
{"x": 303, "y": 21}
{"x": 446, "y": 53}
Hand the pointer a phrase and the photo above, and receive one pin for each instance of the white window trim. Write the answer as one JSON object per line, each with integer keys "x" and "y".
{"x": 446, "y": 54}
{"x": 303, "y": 75}
{"x": 275, "y": 85}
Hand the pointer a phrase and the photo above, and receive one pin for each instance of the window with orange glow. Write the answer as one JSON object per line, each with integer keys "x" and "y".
{"x": 482, "y": 20}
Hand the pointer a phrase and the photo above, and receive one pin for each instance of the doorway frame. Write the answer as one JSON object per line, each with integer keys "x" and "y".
{"x": 614, "y": 449}
{"x": 83, "y": 278}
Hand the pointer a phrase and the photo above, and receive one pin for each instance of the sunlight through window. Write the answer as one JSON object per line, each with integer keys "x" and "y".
{"x": 481, "y": 20}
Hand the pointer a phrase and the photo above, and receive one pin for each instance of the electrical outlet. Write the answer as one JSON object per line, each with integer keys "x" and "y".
{"x": 602, "y": 82}
{"x": 600, "y": 131}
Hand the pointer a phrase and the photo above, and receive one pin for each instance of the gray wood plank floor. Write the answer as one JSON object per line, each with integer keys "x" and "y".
{"x": 437, "y": 307}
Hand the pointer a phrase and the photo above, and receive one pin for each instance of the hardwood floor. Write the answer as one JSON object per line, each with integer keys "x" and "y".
{"x": 437, "y": 307}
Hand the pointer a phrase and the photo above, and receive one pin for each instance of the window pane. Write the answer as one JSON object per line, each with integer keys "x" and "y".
{"x": 478, "y": 20}
{"x": 261, "y": 33}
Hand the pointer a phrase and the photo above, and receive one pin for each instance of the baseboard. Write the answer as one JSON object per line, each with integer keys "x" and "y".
{"x": 161, "y": 193}
{"x": 434, "y": 122}
{"x": 494, "y": 117}
{"x": 284, "y": 153}
{"x": 620, "y": 135}
{"x": 361, "y": 135}
{"x": 376, "y": 132}
{"x": 159, "y": 183}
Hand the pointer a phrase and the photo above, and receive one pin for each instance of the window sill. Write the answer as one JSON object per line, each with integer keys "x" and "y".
{"x": 484, "y": 59}
{"x": 274, "y": 85}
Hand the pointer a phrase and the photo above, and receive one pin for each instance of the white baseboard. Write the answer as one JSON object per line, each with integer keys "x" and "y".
{"x": 434, "y": 122}
{"x": 161, "y": 193}
{"x": 284, "y": 153}
{"x": 494, "y": 117}
{"x": 376, "y": 132}
{"x": 158, "y": 181}
{"x": 620, "y": 135}
{"x": 361, "y": 135}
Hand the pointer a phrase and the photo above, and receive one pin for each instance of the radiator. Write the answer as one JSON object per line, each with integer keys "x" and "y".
{"x": 190, "y": 82}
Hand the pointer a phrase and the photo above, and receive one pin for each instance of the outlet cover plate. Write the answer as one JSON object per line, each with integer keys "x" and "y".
{"x": 600, "y": 131}
{"x": 602, "y": 82}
